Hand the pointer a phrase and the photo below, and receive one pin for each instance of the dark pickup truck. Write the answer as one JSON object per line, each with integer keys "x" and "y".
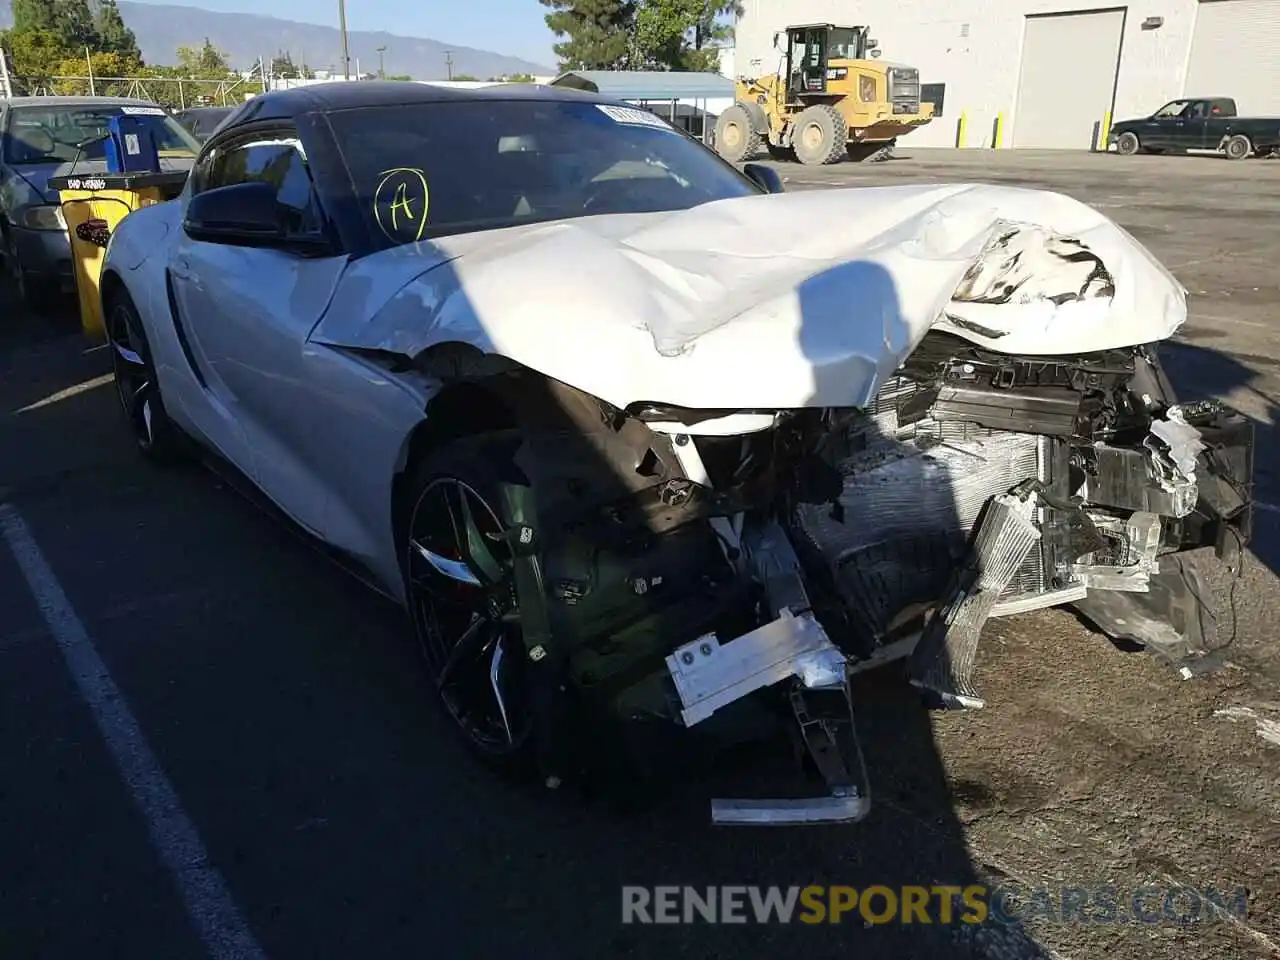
{"x": 1198, "y": 125}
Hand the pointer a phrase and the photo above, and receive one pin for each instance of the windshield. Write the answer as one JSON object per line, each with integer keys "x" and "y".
{"x": 53, "y": 134}
{"x": 426, "y": 170}
{"x": 1172, "y": 109}
{"x": 847, "y": 43}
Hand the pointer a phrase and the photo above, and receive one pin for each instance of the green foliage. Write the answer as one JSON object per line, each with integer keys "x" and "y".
{"x": 399, "y": 76}
{"x": 34, "y": 56}
{"x": 464, "y": 76}
{"x": 640, "y": 34}
{"x": 113, "y": 35}
{"x": 282, "y": 66}
{"x": 598, "y": 32}
{"x": 34, "y": 16}
{"x": 75, "y": 25}
{"x": 205, "y": 62}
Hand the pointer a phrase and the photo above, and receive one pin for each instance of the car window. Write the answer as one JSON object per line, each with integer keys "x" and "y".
{"x": 278, "y": 161}
{"x": 1172, "y": 109}
{"x": 42, "y": 134}
{"x": 425, "y": 170}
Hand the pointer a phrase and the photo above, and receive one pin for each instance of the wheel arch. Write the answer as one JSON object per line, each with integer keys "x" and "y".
{"x": 110, "y": 286}
{"x": 460, "y": 409}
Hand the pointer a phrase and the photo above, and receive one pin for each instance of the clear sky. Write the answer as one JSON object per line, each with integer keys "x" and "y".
{"x": 513, "y": 27}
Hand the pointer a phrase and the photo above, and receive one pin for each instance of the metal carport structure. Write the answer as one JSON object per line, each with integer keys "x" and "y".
{"x": 652, "y": 86}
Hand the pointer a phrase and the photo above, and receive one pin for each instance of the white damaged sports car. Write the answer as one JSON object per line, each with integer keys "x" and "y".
{"x": 646, "y": 446}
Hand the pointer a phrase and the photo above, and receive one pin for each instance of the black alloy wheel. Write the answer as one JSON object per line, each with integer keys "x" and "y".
{"x": 465, "y": 614}
{"x": 136, "y": 382}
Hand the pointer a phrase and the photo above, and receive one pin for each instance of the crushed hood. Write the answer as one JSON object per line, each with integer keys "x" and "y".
{"x": 779, "y": 301}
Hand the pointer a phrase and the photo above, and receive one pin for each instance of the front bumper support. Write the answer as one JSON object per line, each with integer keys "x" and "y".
{"x": 708, "y": 676}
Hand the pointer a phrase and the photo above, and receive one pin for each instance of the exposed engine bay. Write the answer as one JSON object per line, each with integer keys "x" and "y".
{"x": 692, "y": 558}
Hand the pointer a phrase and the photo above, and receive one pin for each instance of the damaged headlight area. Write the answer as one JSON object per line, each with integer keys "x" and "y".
{"x": 712, "y": 575}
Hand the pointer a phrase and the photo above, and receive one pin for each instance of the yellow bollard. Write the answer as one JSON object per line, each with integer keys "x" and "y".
{"x": 1105, "y": 132}
{"x": 93, "y": 206}
{"x": 997, "y": 132}
{"x": 962, "y": 129}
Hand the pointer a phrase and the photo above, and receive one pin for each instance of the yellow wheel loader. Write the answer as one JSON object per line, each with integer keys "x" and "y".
{"x": 831, "y": 99}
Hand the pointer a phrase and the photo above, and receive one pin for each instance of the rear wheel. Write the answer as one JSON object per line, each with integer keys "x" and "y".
{"x": 1238, "y": 147}
{"x": 137, "y": 386}
{"x": 821, "y": 135}
{"x": 736, "y": 137}
{"x": 1128, "y": 144}
{"x": 462, "y": 600}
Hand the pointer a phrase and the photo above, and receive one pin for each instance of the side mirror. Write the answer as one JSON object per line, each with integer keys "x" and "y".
{"x": 767, "y": 178}
{"x": 776, "y": 36}
{"x": 243, "y": 213}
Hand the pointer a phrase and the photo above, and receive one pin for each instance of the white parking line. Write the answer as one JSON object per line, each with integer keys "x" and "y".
{"x": 213, "y": 914}
{"x": 68, "y": 393}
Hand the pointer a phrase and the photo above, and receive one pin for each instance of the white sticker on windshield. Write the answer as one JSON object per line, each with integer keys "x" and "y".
{"x": 142, "y": 111}
{"x": 632, "y": 115}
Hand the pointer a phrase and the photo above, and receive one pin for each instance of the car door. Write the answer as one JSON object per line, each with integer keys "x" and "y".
{"x": 248, "y": 308}
{"x": 1193, "y": 126}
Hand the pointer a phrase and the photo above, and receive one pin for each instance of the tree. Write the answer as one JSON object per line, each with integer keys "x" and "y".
{"x": 112, "y": 66}
{"x": 205, "y": 62}
{"x": 32, "y": 16}
{"x": 35, "y": 55}
{"x": 465, "y": 77}
{"x": 113, "y": 35}
{"x": 598, "y": 33}
{"x": 75, "y": 25}
{"x": 282, "y": 66}
{"x": 662, "y": 29}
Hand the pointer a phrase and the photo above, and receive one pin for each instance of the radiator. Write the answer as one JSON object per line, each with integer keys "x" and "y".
{"x": 910, "y": 501}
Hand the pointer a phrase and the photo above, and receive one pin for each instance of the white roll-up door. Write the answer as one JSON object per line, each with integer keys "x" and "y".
{"x": 1235, "y": 53}
{"x": 1067, "y": 79}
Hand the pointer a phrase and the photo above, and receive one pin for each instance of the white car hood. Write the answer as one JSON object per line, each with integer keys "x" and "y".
{"x": 780, "y": 301}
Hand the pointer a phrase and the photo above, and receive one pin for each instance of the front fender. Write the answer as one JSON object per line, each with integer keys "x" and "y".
{"x": 139, "y": 236}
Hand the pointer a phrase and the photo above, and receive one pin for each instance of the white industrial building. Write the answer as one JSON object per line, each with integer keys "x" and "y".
{"x": 1047, "y": 73}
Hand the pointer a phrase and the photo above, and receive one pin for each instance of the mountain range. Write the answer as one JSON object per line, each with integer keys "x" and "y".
{"x": 244, "y": 37}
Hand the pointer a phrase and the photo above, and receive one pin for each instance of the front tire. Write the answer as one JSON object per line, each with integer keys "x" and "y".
{"x": 466, "y": 615}
{"x": 736, "y": 136}
{"x": 1127, "y": 145}
{"x": 35, "y": 292}
{"x": 821, "y": 135}
{"x": 137, "y": 385}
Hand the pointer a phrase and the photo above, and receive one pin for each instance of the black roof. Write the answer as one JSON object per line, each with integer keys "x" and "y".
{"x": 349, "y": 95}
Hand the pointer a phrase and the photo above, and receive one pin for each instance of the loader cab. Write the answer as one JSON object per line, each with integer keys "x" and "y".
{"x": 810, "y": 50}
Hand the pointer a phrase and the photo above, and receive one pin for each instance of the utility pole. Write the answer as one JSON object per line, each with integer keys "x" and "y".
{"x": 382, "y": 73}
{"x": 448, "y": 63}
{"x": 346, "y": 52}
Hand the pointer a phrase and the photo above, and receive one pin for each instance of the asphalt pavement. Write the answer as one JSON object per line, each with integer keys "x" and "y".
{"x": 213, "y": 743}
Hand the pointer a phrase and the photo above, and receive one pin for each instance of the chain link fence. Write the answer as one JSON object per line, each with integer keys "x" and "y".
{"x": 173, "y": 92}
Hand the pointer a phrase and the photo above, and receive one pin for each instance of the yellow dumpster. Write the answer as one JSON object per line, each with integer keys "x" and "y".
{"x": 93, "y": 205}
